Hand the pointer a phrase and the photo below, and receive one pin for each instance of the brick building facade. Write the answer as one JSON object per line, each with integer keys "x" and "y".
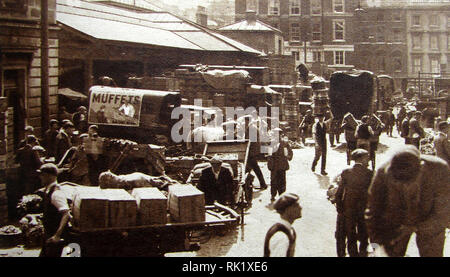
{"x": 326, "y": 27}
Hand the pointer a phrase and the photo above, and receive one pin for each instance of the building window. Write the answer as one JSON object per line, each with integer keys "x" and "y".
{"x": 397, "y": 62}
{"x": 397, "y": 36}
{"x": 380, "y": 34}
{"x": 274, "y": 7}
{"x": 317, "y": 56}
{"x": 13, "y": 5}
{"x": 252, "y": 5}
{"x": 296, "y": 55}
{"x": 434, "y": 20}
{"x": 339, "y": 57}
{"x": 316, "y": 31}
{"x": 448, "y": 21}
{"x": 434, "y": 42}
{"x": 435, "y": 66}
{"x": 380, "y": 16}
{"x": 417, "y": 64}
{"x": 448, "y": 43}
{"x": 396, "y": 16}
{"x": 294, "y": 7}
{"x": 295, "y": 32}
{"x": 338, "y": 6}
{"x": 416, "y": 20}
{"x": 416, "y": 41}
{"x": 338, "y": 29}
{"x": 316, "y": 7}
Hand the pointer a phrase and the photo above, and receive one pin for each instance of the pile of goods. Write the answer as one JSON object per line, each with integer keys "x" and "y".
{"x": 320, "y": 96}
{"x": 290, "y": 113}
{"x": 33, "y": 230}
{"x": 29, "y": 204}
{"x": 94, "y": 207}
{"x": 426, "y": 144}
{"x": 9, "y": 236}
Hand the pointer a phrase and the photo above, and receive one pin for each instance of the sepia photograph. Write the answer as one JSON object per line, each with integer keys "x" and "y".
{"x": 224, "y": 128}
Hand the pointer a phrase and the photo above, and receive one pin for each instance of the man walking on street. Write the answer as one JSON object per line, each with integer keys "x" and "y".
{"x": 409, "y": 194}
{"x": 280, "y": 239}
{"x": 278, "y": 164}
{"x": 390, "y": 122}
{"x": 320, "y": 138}
{"x": 351, "y": 200}
{"x": 416, "y": 131}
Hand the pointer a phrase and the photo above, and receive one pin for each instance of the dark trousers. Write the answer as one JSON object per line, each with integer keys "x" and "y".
{"x": 277, "y": 182}
{"x": 334, "y": 136}
{"x": 52, "y": 250}
{"x": 252, "y": 163}
{"x": 348, "y": 232}
{"x": 320, "y": 152}
{"x": 340, "y": 235}
{"x": 389, "y": 129}
{"x": 430, "y": 244}
{"x": 351, "y": 145}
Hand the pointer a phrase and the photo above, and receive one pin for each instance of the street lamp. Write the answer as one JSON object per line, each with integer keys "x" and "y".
{"x": 359, "y": 9}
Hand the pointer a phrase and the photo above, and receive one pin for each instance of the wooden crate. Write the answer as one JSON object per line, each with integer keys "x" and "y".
{"x": 186, "y": 203}
{"x": 90, "y": 209}
{"x": 122, "y": 208}
{"x": 152, "y": 206}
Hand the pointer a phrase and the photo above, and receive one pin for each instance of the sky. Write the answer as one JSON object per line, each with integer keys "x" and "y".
{"x": 183, "y": 4}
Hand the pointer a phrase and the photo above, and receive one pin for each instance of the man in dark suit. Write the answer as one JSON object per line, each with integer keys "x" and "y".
{"x": 319, "y": 134}
{"x": 216, "y": 182}
{"x": 64, "y": 140}
{"x": 351, "y": 200}
{"x": 409, "y": 194}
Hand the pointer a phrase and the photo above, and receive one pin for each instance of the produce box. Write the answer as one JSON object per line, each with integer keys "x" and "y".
{"x": 152, "y": 206}
{"x": 122, "y": 208}
{"x": 186, "y": 203}
{"x": 90, "y": 208}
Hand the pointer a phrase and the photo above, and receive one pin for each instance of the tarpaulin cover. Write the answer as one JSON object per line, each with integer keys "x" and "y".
{"x": 351, "y": 92}
{"x": 226, "y": 79}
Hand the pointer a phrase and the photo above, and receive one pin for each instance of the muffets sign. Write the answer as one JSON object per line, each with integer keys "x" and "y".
{"x": 114, "y": 106}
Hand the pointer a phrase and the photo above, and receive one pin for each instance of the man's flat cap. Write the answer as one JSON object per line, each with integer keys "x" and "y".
{"x": 53, "y": 121}
{"x": 359, "y": 153}
{"x": 405, "y": 163}
{"x": 49, "y": 168}
{"x": 68, "y": 124}
{"x": 29, "y": 128}
{"x": 285, "y": 200}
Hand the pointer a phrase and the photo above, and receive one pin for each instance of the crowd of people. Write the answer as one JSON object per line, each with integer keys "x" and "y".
{"x": 63, "y": 145}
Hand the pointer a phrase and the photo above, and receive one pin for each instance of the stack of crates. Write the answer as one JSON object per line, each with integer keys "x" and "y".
{"x": 320, "y": 97}
{"x": 290, "y": 113}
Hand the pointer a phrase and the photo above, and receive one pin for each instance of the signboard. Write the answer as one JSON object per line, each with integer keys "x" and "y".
{"x": 115, "y": 107}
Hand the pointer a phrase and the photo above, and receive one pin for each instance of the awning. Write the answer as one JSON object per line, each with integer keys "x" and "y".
{"x": 71, "y": 93}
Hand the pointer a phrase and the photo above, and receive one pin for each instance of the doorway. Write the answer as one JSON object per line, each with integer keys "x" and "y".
{"x": 14, "y": 84}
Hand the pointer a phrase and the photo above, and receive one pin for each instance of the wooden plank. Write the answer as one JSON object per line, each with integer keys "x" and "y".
{"x": 152, "y": 206}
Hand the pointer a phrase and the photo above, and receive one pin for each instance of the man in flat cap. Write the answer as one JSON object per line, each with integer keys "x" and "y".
{"x": 280, "y": 238}
{"x": 56, "y": 213}
{"x": 216, "y": 182}
{"x": 28, "y": 131}
{"x": 410, "y": 193}
{"x": 278, "y": 163}
{"x": 319, "y": 133}
{"x": 441, "y": 143}
{"x": 64, "y": 140}
{"x": 351, "y": 200}
{"x": 49, "y": 141}
{"x": 416, "y": 131}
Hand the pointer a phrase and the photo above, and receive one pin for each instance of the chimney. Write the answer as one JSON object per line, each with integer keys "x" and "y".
{"x": 202, "y": 16}
{"x": 250, "y": 16}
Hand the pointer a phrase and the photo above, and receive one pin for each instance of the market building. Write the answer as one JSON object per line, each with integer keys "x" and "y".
{"x": 135, "y": 41}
